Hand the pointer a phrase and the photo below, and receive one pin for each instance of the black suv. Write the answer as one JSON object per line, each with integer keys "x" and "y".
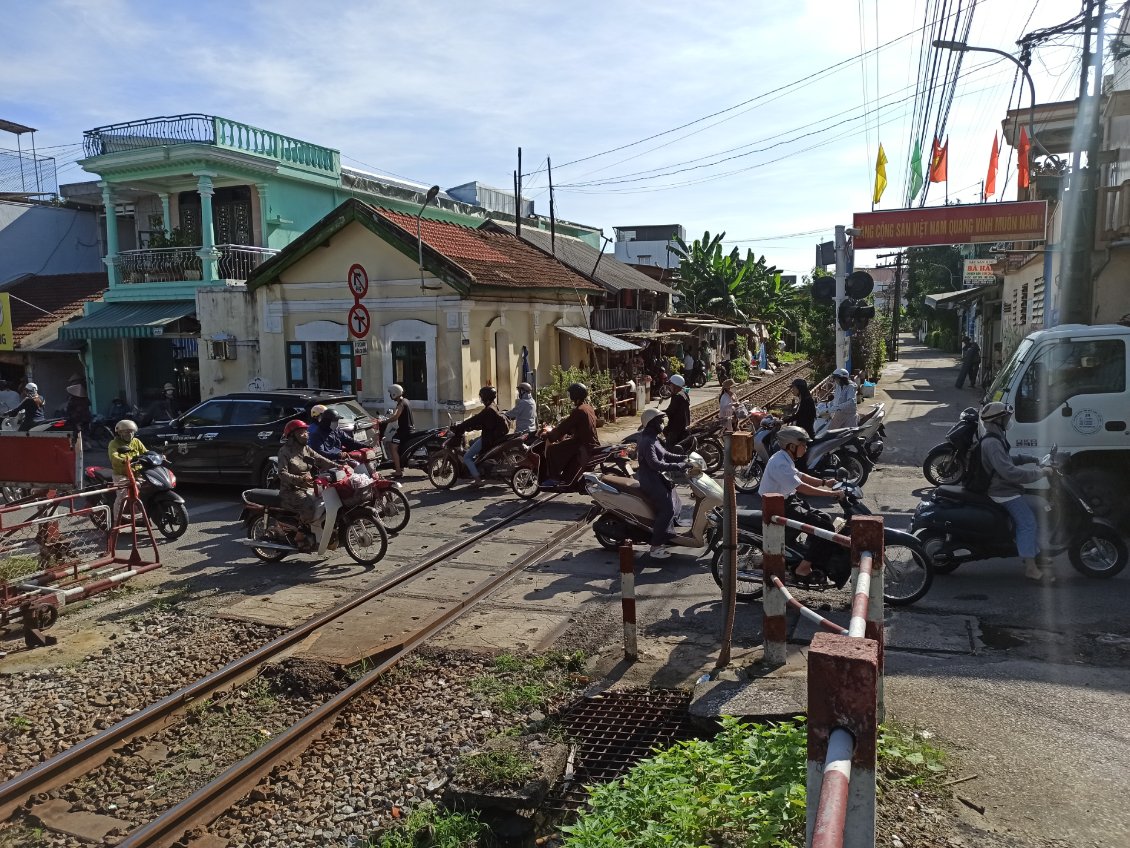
{"x": 235, "y": 438}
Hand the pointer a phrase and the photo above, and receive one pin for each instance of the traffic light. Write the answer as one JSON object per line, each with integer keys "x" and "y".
{"x": 824, "y": 290}
{"x": 862, "y": 316}
{"x": 846, "y": 314}
{"x": 854, "y": 315}
{"x": 858, "y": 285}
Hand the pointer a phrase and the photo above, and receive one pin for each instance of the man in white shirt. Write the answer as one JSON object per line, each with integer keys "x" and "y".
{"x": 688, "y": 362}
{"x": 782, "y": 477}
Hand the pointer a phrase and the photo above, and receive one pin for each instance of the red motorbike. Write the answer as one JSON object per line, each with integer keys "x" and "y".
{"x": 391, "y": 502}
{"x": 530, "y": 473}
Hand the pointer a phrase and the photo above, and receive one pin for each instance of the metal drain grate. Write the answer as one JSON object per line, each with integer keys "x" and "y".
{"x": 615, "y": 730}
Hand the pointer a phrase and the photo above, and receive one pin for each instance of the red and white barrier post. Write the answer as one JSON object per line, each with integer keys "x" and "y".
{"x": 867, "y": 537}
{"x": 774, "y": 629}
{"x": 628, "y": 599}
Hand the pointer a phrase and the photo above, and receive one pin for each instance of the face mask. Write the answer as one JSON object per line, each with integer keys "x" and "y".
{"x": 169, "y": 393}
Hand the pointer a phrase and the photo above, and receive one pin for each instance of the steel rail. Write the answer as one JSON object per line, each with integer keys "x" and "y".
{"x": 212, "y": 800}
{"x": 777, "y": 381}
{"x": 95, "y": 750}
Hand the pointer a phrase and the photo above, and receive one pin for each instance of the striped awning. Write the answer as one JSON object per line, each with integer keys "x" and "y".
{"x": 599, "y": 339}
{"x": 128, "y": 320}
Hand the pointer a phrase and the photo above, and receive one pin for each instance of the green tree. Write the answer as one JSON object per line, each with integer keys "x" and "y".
{"x": 711, "y": 280}
{"x": 930, "y": 270}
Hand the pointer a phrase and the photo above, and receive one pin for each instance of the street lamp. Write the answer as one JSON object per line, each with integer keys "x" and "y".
{"x": 431, "y": 195}
{"x": 962, "y": 47}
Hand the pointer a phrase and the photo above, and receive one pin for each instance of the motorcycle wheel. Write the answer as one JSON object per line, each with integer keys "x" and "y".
{"x": 392, "y": 506}
{"x": 258, "y": 531}
{"x": 524, "y": 482}
{"x": 942, "y": 467}
{"x": 171, "y": 519}
{"x": 750, "y": 563}
{"x": 907, "y": 574}
{"x": 748, "y": 477}
{"x": 933, "y": 545}
{"x": 711, "y": 451}
{"x": 365, "y": 539}
{"x": 608, "y": 532}
{"x": 442, "y": 471}
{"x": 1100, "y": 553}
{"x": 856, "y": 468}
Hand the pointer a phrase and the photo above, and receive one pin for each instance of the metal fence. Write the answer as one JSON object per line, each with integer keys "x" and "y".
{"x": 27, "y": 173}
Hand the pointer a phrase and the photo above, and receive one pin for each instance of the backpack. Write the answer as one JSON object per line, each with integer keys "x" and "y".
{"x": 976, "y": 478}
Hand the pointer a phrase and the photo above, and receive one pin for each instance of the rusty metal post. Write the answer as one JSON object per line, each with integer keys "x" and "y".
{"x": 867, "y": 535}
{"x": 773, "y": 603}
{"x": 843, "y": 676}
{"x": 628, "y": 599}
{"x": 730, "y": 551}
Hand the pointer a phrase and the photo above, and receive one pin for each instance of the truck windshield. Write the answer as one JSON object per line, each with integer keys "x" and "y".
{"x": 1000, "y": 384}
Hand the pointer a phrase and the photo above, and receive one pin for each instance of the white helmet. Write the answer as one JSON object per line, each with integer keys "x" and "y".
{"x": 648, "y": 416}
{"x": 792, "y": 436}
{"x": 396, "y": 391}
{"x": 997, "y": 413}
{"x": 841, "y": 372}
{"x": 31, "y": 388}
{"x": 124, "y": 427}
{"x": 677, "y": 380}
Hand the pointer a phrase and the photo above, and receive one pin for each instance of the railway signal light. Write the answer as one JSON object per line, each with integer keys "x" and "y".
{"x": 824, "y": 290}
{"x": 859, "y": 284}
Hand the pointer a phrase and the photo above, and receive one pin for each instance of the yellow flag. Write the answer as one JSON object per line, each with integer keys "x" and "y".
{"x": 880, "y": 175}
{"x": 7, "y": 340}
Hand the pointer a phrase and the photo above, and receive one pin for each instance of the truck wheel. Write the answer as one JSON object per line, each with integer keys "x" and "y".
{"x": 1103, "y": 493}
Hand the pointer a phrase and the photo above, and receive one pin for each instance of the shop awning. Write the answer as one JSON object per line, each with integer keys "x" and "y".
{"x": 599, "y": 339}
{"x": 948, "y": 300}
{"x": 128, "y": 320}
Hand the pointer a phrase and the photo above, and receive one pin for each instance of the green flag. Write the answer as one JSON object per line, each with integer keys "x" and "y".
{"x": 915, "y": 173}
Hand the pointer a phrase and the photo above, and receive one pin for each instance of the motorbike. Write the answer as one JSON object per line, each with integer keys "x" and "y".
{"x": 957, "y": 526}
{"x": 699, "y": 440}
{"x": 696, "y": 378}
{"x": 351, "y": 520}
{"x": 530, "y": 473}
{"x": 445, "y": 467}
{"x": 828, "y": 453}
{"x": 628, "y": 516}
{"x": 156, "y": 487}
{"x": 418, "y": 449}
{"x": 945, "y": 463}
{"x": 391, "y": 502}
{"x": 872, "y": 432}
{"x": 908, "y": 570}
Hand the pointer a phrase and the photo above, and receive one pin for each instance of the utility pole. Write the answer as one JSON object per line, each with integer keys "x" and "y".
{"x": 896, "y": 305}
{"x": 552, "y": 212}
{"x": 518, "y": 197}
{"x": 841, "y": 293}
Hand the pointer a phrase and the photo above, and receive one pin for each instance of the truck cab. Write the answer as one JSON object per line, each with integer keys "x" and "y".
{"x": 1068, "y": 388}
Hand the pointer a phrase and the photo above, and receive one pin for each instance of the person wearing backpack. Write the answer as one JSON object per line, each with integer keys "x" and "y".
{"x": 994, "y": 471}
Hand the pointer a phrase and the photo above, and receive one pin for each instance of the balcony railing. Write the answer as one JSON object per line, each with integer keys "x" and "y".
{"x": 209, "y": 129}
{"x": 1113, "y": 223}
{"x": 627, "y": 320}
{"x": 182, "y": 264}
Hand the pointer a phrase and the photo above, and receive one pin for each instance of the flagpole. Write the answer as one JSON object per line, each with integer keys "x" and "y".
{"x": 982, "y": 191}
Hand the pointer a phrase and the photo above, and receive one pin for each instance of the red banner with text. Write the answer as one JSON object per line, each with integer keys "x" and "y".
{"x": 975, "y": 223}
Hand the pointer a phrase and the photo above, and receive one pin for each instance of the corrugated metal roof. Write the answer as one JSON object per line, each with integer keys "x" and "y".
{"x": 128, "y": 320}
{"x": 599, "y": 339}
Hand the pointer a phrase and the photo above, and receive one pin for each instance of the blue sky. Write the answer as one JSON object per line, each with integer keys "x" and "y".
{"x": 446, "y": 91}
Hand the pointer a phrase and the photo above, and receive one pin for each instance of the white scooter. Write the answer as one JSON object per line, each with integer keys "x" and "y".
{"x": 628, "y": 516}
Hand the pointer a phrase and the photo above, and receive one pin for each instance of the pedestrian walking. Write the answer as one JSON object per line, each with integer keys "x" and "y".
{"x": 970, "y": 362}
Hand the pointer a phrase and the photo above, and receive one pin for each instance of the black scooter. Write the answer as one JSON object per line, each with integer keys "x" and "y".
{"x": 156, "y": 487}
{"x": 956, "y": 526}
{"x": 945, "y": 463}
{"x": 907, "y": 567}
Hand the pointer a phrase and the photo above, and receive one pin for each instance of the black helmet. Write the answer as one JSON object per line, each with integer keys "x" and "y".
{"x": 329, "y": 417}
{"x": 487, "y": 394}
{"x": 578, "y": 392}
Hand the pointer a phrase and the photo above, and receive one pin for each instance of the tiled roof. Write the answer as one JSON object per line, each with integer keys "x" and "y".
{"x": 494, "y": 259}
{"x": 610, "y": 271}
{"x": 61, "y": 295}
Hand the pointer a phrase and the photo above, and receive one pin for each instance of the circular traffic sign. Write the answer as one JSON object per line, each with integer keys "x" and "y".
{"x": 358, "y": 281}
{"x": 359, "y": 321}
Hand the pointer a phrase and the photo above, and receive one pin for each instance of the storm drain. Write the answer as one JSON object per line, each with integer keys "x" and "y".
{"x": 615, "y": 730}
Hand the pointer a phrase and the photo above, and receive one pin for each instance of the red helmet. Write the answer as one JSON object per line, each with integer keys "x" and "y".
{"x": 293, "y": 427}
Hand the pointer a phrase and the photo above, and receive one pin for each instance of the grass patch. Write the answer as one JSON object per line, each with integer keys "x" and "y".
{"x": 428, "y": 826}
{"x": 498, "y": 769}
{"x": 20, "y": 565}
{"x": 907, "y": 757}
{"x": 19, "y": 724}
{"x": 525, "y": 682}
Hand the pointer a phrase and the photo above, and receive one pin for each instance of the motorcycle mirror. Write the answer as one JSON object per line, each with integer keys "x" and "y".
{"x": 843, "y": 475}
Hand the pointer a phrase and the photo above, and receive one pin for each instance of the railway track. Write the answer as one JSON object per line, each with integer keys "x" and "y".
{"x": 763, "y": 393}
{"x": 211, "y": 800}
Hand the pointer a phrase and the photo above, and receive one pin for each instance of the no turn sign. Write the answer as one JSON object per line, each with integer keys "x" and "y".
{"x": 358, "y": 281}
{"x": 359, "y": 321}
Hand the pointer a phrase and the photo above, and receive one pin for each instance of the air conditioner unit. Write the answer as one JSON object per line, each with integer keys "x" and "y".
{"x": 222, "y": 349}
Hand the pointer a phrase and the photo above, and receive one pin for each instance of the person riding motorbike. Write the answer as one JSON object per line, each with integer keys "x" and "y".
{"x": 398, "y": 428}
{"x": 316, "y": 412}
{"x": 842, "y": 406}
{"x": 494, "y": 426}
{"x": 660, "y": 492}
{"x": 166, "y": 407}
{"x": 782, "y": 477}
{"x": 297, "y": 461}
{"x": 123, "y": 449}
{"x": 77, "y": 410}
{"x": 678, "y": 412}
{"x": 31, "y": 406}
{"x": 805, "y": 415}
{"x": 327, "y": 439}
{"x": 571, "y": 443}
{"x": 1007, "y": 479}
{"x": 525, "y": 411}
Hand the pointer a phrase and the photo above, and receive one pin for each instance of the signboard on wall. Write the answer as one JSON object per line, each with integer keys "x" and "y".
{"x": 7, "y": 333}
{"x": 975, "y": 223}
{"x": 977, "y": 272}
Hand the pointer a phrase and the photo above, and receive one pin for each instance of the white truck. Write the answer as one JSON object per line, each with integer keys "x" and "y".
{"x": 1068, "y": 388}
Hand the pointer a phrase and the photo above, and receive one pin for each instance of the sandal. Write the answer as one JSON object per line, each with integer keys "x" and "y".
{"x": 815, "y": 579}
{"x": 397, "y": 476}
